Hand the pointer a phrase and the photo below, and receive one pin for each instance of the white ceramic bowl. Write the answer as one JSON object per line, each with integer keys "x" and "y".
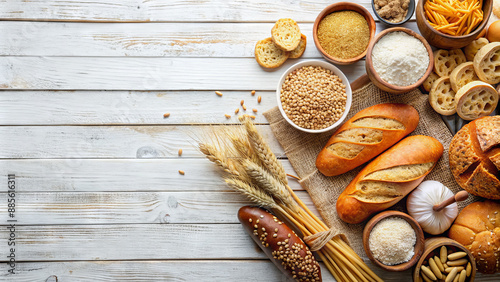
{"x": 335, "y": 71}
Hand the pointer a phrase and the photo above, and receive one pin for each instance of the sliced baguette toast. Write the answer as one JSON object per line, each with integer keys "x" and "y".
{"x": 269, "y": 55}
{"x": 297, "y": 52}
{"x": 286, "y": 34}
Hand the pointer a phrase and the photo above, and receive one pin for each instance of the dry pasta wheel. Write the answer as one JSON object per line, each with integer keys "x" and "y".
{"x": 487, "y": 63}
{"x": 471, "y": 49}
{"x": 476, "y": 99}
{"x": 429, "y": 81}
{"x": 442, "y": 96}
{"x": 447, "y": 60}
{"x": 462, "y": 75}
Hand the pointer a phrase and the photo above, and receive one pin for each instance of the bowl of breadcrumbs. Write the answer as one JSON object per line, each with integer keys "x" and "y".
{"x": 314, "y": 96}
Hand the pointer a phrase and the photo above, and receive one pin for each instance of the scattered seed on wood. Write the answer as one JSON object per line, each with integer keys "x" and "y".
{"x": 180, "y": 152}
{"x": 237, "y": 111}
{"x": 254, "y": 110}
{"x": 253, "y": 92}
{"x": 252, "y": 117}
{"x": 227, "y": 116}
{"x": 218, "y": 93}
{"x": 181, "y": 172}
{"x": 244, "y": 107}
{"x": 259, "y": 98}
{"x": 242, "y": 102}
{"x": 166, "y": 115}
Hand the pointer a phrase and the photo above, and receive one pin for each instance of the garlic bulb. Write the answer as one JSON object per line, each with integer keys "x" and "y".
{"x": 420, "y": 205}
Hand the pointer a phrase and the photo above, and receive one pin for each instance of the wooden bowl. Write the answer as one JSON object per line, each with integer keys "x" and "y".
{"x": 411, "y": 10}
{"x": 435, "y": 243}
{"x": 343, "y": 6}
{"x": 384, "y": 85}
{"x": 444, "y": 41}
{"x": 419, "y": 244}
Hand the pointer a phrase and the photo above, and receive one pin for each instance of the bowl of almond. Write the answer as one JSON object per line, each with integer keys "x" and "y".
{"x": 314, "y": 96}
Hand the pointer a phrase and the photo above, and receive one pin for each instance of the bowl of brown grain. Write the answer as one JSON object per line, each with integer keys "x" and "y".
{"x": 343, "y": 31}
{"x": 314, "y": 96}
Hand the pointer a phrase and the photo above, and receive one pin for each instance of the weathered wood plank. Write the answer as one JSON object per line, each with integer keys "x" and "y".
{"x": 110, "y": 141}
{"x": 164, "y": 10}
{"x": 128, "y": 207}
{"x": 146, "y": 39}
{"x": 111, "y": 175}
{"x": 129, "y": 107}
{"x": 133, "y": 73}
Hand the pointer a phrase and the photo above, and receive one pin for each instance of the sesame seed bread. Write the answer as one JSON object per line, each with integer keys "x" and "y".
{"x": 297, "y": 52}
{"x": 268, "y": 55}
{"x": 447, "y": 60}
{"x": 474, "y": 157}
{"x": 442, "y": 96}
{"x": 487, "y": 63}
{"x": 476, "y": 99}
{"x": 477, "y": 227}
{"x": 389, "y": 178}
{"x": 280, "y": 243}
{"x": 462, "y": 74}
{"x": 365, "y": 135}
{"x": 286, "y": 34}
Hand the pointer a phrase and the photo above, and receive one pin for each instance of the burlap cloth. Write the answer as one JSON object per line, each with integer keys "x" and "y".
{"x": 302, "y": 148}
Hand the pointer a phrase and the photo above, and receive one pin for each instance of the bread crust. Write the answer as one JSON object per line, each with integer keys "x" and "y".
{"x": 412, "y": 150}
{"x": 477, "y": 227}
{"x": 286, "y": 34}
{"x": 474, "y": 157}
{"x": 331, "y": 164}
{"x": 262, "y": 227}
{"x": 268, "y": 55}
{"x": 301, "y": 48}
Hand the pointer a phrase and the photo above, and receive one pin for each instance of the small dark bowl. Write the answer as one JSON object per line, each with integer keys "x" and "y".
{"x": 411, "y": 10}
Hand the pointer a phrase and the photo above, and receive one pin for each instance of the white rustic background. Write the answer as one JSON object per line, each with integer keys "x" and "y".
{"x": 84, "y": 86}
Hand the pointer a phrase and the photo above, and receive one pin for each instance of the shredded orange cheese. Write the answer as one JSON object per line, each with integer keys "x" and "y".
{"x": 454, "y": 17}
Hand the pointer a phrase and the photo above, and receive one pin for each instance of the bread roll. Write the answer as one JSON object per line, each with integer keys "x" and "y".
{"x": 389, "y": 178}
{"x": 269, "y": 55}
{"x": 475, "y": 157}
{"x": 477, "y": 227}
{"x": 285, "y": 249}
{"x": 367, "y": 134}
{"x": 286, "y": 34}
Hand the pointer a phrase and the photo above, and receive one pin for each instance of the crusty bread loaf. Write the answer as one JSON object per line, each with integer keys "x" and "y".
{"x": 476, "y": 99}
{"x": 487, "y": 63}
{"x": 285, "y": 249}
{"x": 389, "y": 178}
{"x": 269, "y": 55}
{"x": 365, "y": 135}
{"x": 297, "y": 52}
{"x": 286, "y": 34}
{"x": 442, "y": 96}
{"x": 477, "y": 227}
{"x": 447, "y": 60}
{"x": 475, "y": 157}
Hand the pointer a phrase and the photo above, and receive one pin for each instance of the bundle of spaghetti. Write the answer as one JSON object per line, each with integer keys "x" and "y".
{"x": 454, "y": 17}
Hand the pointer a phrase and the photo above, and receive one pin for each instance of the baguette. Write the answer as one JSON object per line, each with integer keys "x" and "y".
{"x": 280, "y": 243}
{"x": 367, "y": 134}
{"x": 389, "y": 178}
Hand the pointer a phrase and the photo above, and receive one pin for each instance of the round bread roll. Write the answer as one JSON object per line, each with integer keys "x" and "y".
{"x": 442, "y": 96}
{"x": 476, "y": 99}
{"x": 474, "y": 157}
{"x": 447, "y": 60}
{"x": 462, "y": 75}
{"x": 286, "y": 34}
{"x": 429, "y": 81}
{"x": 477, "y": 227}
{"x": 487, "y": 63}
{"x": 471, "y": 49}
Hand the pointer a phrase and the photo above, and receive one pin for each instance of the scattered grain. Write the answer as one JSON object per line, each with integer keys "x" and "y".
{"x": 252, "y": 117}
{"x": 218, "y": 93}
{"x": 181, "y": 172}
{"x": 254, "y": 110}
{"x": 237, "y": 111}
{"x": 180, "y": 152}
{"x": 166, "y": 115}
{"x": 242, "y": 102}
{"x": 244, "y": 107}
{"x": 253, "y": 92}
{"x": 227, "y": 116}
{"x": 259, "y": 99}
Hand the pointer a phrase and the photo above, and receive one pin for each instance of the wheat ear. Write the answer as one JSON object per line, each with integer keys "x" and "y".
{"x": 217, "y": 158}
{"x": 269, "y": 184}
{"x": 264, "y": 153}
{"x": 254, "y": 194}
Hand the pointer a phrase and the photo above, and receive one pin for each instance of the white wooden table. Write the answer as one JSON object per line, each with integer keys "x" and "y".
{"x": 85, "y": 85}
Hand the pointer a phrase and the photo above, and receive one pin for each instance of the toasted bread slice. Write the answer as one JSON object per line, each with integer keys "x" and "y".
{"x": 268, "y": 54}
{"x": 286, "y": 34}
{"x": 297, "y": 52}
